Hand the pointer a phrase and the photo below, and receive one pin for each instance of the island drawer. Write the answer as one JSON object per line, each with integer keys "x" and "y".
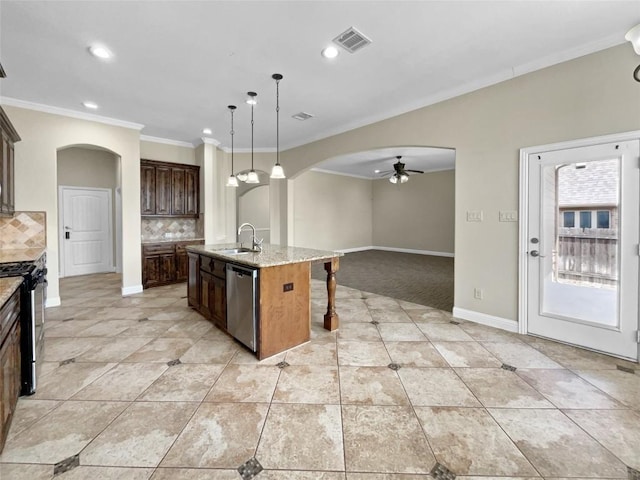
{"x": 213, "y": 266}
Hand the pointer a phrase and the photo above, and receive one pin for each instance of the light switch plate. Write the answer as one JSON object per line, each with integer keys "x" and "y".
{"x": 474, "y": 215}
{"x": 508, "y": 216}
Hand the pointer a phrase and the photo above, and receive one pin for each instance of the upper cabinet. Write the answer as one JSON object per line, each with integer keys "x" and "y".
{"x": 169, "y": 189}
{"x": 9, "y": 137}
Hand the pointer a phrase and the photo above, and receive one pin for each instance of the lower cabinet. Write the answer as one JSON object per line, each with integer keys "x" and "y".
{"x": 207, "y": 288}
{"x": 165, "y": 263}
{"x": 9, "y": 363}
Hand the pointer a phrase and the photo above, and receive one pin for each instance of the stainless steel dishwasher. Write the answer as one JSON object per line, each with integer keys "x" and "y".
{"x": 242, "y": 283}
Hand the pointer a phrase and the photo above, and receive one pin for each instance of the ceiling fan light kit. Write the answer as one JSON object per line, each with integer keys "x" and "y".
{"x": 633, "y": 36}
{"x": 400, "y": 173}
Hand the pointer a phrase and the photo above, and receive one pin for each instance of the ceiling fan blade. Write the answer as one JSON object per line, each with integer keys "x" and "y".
{"x": 415, "y": 171}
{"x": 382, "y": 174}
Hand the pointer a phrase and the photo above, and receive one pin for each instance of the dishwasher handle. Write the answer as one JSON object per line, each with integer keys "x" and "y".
{"x": 241, "y": 271}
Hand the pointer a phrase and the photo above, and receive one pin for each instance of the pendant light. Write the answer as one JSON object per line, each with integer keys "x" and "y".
{"x": 232, "y": 181}
{"x": 277, "y": 171}
{"x": 252, "y": 177}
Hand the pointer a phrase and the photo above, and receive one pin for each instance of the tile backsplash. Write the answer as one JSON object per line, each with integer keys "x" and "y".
{"x": 171, "y": 228}
{"x": 23, "y": 230}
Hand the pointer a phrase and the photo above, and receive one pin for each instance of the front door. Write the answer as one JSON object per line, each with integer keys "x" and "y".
{"x": 582, "y": 246}
{"x": 86, "y": 230}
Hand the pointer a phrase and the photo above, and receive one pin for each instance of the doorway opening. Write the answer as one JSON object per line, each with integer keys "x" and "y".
{"x": 252, "y": 206}
{"x": 89, "y": 210}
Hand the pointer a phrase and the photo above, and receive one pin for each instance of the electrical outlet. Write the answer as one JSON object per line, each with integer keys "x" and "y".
{"x": 477, "y": 293}
{"x": 508, "y": 216}
{"x": 287, "y": 287}
{"x": 474, "y": 216}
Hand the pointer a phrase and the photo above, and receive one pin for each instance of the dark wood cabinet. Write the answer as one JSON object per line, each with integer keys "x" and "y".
{"x": 165, "y": 263}
{"x": 163, "y": 191}
{"x": 9, "y": 363}
{"x": 169, "y": 189}
{"x": 193, "y": 285}
{"x": 9, "y": 136}
{"x": 208, "y": 288}
{"x": 147, "y": 190}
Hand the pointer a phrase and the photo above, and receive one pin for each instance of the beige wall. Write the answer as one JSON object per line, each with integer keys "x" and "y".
{"x": 417, "y": 215}
{"x": 589, "y": 96}
{"x": 163, "y": 152}
{"x": 90, "y": 168}
{"x": 331, "y": 211}
{"x": 36, "y": 179}
{"x": 84, "y": 167}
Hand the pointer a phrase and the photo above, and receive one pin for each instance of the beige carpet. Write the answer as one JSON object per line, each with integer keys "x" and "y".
{"x": 423, "y": 279}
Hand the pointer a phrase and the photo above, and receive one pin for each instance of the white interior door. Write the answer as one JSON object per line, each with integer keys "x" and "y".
{"x": 86, "y": 230}
{"x": 582, "y": 241}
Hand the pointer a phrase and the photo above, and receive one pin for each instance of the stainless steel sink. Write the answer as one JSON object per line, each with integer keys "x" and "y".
{"x": 236, "y": 251}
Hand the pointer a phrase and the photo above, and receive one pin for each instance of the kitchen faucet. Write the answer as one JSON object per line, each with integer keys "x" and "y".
{"x": 257, "y": 244}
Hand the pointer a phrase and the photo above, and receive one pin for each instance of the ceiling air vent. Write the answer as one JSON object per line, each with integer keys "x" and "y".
{"x": 352, "y": 40}
{"x": 302, "y": 116}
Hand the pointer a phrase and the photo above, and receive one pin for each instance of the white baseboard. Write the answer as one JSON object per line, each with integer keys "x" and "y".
{"x": 52, "y": 302}
{"x": 400, "y": 250}
{"x": 131, "y": 290}
{"x": 356, "y": 249}
{"x": 484, "y": 319}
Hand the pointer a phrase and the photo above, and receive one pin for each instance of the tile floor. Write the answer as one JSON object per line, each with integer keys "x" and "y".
{"x": 143, "y": 388}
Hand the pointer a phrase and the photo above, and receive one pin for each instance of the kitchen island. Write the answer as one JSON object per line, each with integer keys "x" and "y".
{"x": 282, "y": 297}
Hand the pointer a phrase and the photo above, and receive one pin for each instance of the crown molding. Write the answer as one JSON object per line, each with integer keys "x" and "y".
{"x": 165, "y": 141}
{"x": 65, "y": 112}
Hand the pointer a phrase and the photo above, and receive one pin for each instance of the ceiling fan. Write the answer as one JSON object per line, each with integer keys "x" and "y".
{"x": 399, "y": 173}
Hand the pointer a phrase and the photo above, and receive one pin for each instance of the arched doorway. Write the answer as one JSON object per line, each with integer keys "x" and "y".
{"x": 89, "y": 210}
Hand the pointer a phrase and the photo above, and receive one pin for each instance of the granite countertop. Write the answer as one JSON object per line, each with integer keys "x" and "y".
{"x": 172, "y": 240}
{"x": 8, "y": 285}
{"x": 21, "y": 254}
{"x": 270, "y": 256}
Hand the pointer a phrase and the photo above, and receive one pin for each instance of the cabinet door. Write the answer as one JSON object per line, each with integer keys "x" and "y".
{"x": 168, "y": 268}
{"x": 9, "y": 380}
{"x": 147, "y": 190}
{"x": 5, "y": 174}
{"x": 192, "y": 191}
{"x": 193, "y": 285}
{"x": 151, "y": 275}
{"x": 219, "y": 305}
{"x": 9, "y": 184}
{"x": 178, "y": 206}
{"x": 206, "y": 294}
{"x": 163, "y": 191}
{"x": 182, "y": 265}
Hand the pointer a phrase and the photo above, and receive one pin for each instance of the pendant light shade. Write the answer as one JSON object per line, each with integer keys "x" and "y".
{"x": 252, "y": 177}
{"x": 232, "y": 181}
{"x": 277, "y": 171}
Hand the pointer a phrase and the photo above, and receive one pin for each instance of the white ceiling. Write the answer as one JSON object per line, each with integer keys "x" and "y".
{"x": 179, "y": 64}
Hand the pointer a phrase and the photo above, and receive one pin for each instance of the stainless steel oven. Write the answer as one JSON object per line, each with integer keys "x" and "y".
{"x": 33, "y": 296}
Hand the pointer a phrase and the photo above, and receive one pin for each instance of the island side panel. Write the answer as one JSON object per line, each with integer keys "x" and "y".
{"x": 331, "y": 319}
{"x": 285, "y": 316}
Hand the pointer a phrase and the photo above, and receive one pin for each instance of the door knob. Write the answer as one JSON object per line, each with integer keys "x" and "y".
{"x": 535, "y": 253}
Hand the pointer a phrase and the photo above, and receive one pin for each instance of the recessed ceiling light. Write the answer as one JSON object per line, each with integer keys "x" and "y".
{"x": 101, "y": 52}
{"x": 91, "y": 105}
{"x": 330, "y": 52}
{"x": 376, "y": 171}
{"x": 206, "y": 131}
